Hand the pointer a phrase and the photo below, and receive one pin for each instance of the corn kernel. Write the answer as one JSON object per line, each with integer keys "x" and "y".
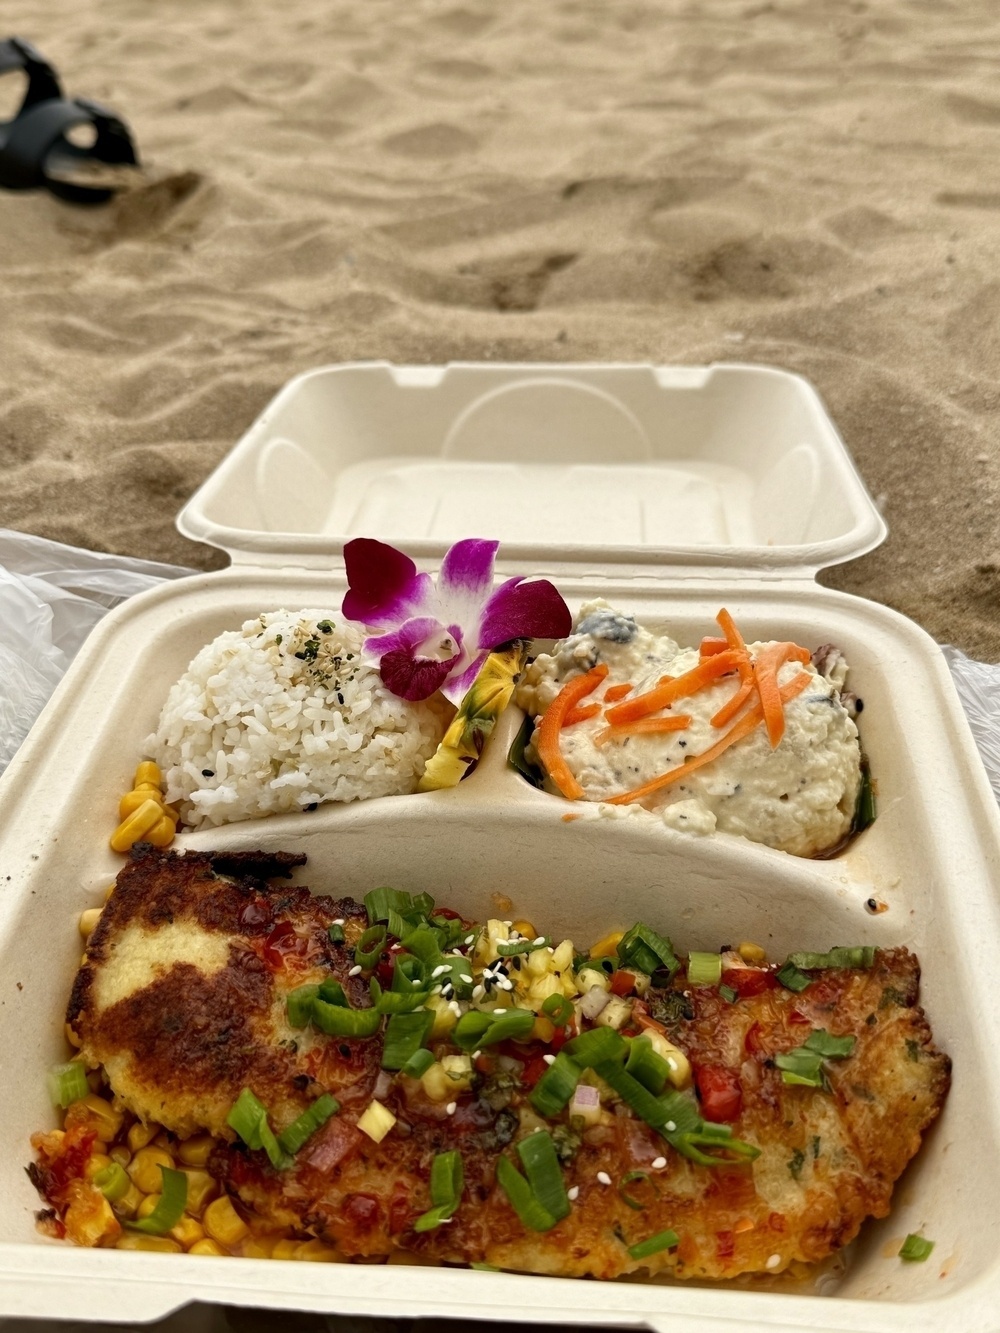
{"x": 139, "y": 1135}
{"x": 608, "y": 946}
{"x": 751, "y": 953}
{"x": 71, "y": 1036}
{"x": 137, "y": 826}
{"x": 97, "y": 1161}
{"x": 150, "y": 772}
{"x": 258, "y": 1247}
{"x": 162, "y": 833}
{"x": 147, "y": 1206}
{"x": 207, "y": 1246}
{"x": 315, "y": 1252}
{"x": 144, "y": 1169}
{"x": 132, "y": 800}
{"x": 196, "y": 1151}
{"x": 88, "y": 920}
{"x": 128, "y": 1204}
{"x": 187, "y": 1232}
{"x": 544, "y": 1029}
{"x": 137, "y": 1241}
{"x": 101, "y": 1117}
{"x": 165, "y": 1140}
{"x": 526, "y": 929}
{"x": 120, "y": 1154}
{"x": 285, "y": 1249}
{"x": 223, "y": 1223}
{"x": 201, "y": 1190}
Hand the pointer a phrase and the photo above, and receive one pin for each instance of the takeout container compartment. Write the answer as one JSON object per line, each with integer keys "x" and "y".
{"x": 933, "y": 856}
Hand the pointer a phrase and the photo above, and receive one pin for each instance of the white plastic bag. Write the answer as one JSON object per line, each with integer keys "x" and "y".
{"x": 51, "y": 597}
{"x": 978, "y": 685}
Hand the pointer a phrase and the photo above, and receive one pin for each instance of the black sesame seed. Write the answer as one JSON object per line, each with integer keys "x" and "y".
{"x": 208, "y": 772}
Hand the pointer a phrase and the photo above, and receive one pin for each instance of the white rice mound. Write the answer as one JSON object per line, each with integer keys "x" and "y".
{"x": 284, "y": 714}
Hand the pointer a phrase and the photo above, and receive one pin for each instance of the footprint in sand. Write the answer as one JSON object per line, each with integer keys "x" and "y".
{"x": 436, "y": 140}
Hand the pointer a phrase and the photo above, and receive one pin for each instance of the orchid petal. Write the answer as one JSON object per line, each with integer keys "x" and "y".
{"x": 384, "y": 587}
{"x": 412, "y": 635}
{"x": 467, "y": 569}
{"x": 455, "y": 688}
{"x": 523, "y": 609}
{"x": 413, "y": 678}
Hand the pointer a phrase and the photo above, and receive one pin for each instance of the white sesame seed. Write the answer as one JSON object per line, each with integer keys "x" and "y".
{"x": 469, "y": 939}
{"x": 339, "y": 921}
{"x": 659, "y": 1163}
{"x": 549, "y": 1059}
{"x": 463, "y": 977}
{"x": 455, "y": 1008}
{"x": 478, "y": 992}
{"x": 669, "y": 1127}
{"x": 499, "y": 1011}
{"x": 505, "y": 983}
{"x": 508, "y": 924}
{"x": 604, "y": 1178}
{"x": 441, "y": 970}
{"x": 774, "y": 1261}
{"x": 573, "y": 1193}
{"x": 538, "y": 941}
{"x": 436, "y": 990}
{"x": 476, "y": 1054}
{"x": 355, "y": 970}
{"x": 416, "y": 983}
{"x": 451, "y": 1108}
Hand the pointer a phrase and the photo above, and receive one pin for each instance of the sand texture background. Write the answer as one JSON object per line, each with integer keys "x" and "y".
{"x": 806, "y": 183}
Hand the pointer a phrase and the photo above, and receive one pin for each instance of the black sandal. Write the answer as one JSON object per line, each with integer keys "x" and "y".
{"x": 34, "y": 150}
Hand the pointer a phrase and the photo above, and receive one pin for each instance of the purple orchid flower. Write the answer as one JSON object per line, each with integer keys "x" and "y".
{"x": 436, "y": 637}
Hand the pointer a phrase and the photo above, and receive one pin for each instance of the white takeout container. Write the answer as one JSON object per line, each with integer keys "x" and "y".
{"x": 670, "y": 491}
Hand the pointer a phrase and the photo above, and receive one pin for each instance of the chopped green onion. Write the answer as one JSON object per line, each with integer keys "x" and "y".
{"x": 299, "y": 1005}
{"x": 595, "y": 1047}
{"x": 541, "y": 1165}
{"x": 404, "y": 1036}
{"x": 915, "y": 1248}
{"x": 663, "y": 1240}
{"x": 418, "y": 1063}
{"x": 829, "y": 1046}
{"x": 704, "y": 969}
{"x": 379, "y": 902}
{"x": 861, "y": 955}
{"x": 647, "y": 1065}
{"x": 370, "y": 946}
{"x": 487, "y": 1268}
{"x": 791, "y": 978}
{"x": 728, "y": 994}
{"x": 423, "y": 904}
{"x": 644, "y": 949}
{"x": 689, "y": 1145}
{"x": 682, "y": 1112}
{"x": 405, "y": 971}
{"x": 396, "y": 1002}
{"x": 425, "y": 943}
{"x": 170, "y": 1208}
{"x": 556, "y": 1086}
{"x": 332, "y": 992}
{"x": 248, "y": 1117}
{"x": 447, "y": 1183}
{"x": 68, "y": 1083}
{"x": 336, "y": 934}
{"x": 398, "y": 925}
{"x": 113, "y": 1182}
{"x": 630, "y": 1178}
{"x": 635, "y": 1095}
{"x": 292, "y": 1138}
{"x": 478, "y": 1029}
{"x": 336, "y": 1021}
{"x": 522, "y": 1199}
{"x": 557, "y": 1009}
{"x": 507, "y": 949}
{"x": 801, "y": 1067}
{"x": 865, "y": 810}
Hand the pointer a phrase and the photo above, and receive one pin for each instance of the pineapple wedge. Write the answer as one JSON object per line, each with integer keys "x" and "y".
{"x": 486, "y": 698}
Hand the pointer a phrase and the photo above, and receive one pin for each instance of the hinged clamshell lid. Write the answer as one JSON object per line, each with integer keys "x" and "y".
{"x": 617, "y": 467}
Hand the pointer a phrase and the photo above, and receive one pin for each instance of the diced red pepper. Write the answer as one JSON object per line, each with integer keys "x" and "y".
{"x": 534, "y": 1070}
{"x": 623, "y": 982}
{"x": 720, "y": 1092}
{"x": 283, "y": 943}
{"x": 747, "y": 981}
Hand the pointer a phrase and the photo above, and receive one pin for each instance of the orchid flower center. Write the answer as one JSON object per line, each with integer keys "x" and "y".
{"x": 441, "y": 646}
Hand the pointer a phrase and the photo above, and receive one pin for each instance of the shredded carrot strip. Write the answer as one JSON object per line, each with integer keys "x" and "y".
{"x": 615, "y": 692}
{"x": 580, "y": 714}
{"x": 768, "y": 663}
{"x": 672, "y": 688}
{"x": 734, "y": 640}
{"x": 552, "y": 723}
{"x": 729, "y": 710}
{"x": 747, "y": 723}
{"x": 646, "y": 726}
{"x": 710, "y": 646}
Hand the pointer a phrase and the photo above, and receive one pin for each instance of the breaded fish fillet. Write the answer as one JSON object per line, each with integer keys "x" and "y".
{"x": 182, "y": 1000}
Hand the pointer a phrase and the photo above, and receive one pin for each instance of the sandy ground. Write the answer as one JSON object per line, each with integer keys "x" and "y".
{"x": 804, "y": 184}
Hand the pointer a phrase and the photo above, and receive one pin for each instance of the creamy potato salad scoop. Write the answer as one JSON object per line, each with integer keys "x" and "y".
{"x": 750, "y": 739}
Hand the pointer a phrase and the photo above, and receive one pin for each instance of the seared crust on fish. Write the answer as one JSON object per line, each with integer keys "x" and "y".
{"x": 182, "y": 1001}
